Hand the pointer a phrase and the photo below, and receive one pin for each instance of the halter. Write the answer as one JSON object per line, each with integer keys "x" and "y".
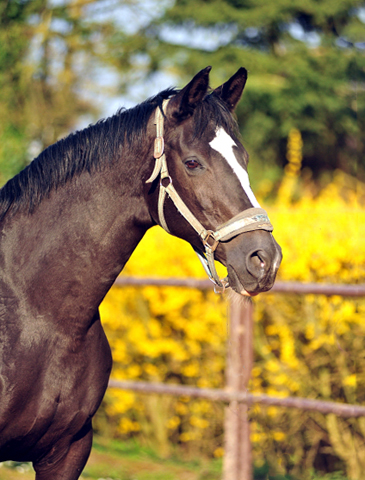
{"x": 246, "y": 221}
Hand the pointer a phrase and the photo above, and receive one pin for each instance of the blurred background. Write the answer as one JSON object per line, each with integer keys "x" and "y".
{"x": 65, "y": 64}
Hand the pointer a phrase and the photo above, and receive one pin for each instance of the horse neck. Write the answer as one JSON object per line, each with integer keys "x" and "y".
{"x": 63, "y": 258}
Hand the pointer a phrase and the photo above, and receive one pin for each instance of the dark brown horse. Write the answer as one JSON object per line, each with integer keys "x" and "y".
{"x": 69, "y": 223}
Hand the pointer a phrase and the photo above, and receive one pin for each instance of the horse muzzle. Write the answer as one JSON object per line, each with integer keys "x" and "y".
{"x": 253, "y": 259}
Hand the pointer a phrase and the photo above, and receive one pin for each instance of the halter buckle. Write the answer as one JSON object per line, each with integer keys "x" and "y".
{"x": 206, "y": 236}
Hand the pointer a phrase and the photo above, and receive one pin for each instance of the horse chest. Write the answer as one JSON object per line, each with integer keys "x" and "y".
{"x": 45, "y": 392}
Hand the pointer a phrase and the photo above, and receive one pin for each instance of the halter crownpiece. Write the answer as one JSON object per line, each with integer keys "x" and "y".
{"x": 246, "y": 221}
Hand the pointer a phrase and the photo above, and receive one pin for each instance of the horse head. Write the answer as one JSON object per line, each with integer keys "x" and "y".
{"x": 199, "y": 189}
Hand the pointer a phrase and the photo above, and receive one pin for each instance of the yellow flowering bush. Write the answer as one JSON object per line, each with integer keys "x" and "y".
{"x": 312, "y": 345}
{"x": 309, "y": 346}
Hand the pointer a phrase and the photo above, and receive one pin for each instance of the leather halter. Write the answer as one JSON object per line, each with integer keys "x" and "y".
{"x": 246, "y": 221}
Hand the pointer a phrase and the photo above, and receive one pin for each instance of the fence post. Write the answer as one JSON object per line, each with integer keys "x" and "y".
{"x": 237, "y": 464}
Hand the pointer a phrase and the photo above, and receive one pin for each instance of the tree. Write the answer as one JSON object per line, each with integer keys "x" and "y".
{"x": 50, "y": 58}
{"x": 306, "y": 65}
{"x": 13, "y": 44}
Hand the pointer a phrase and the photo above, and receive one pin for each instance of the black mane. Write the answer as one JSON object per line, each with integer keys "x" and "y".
{"x": 96, "y": 147}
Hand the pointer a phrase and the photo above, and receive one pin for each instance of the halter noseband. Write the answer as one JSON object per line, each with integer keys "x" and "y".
{"x": 246, "y": 221}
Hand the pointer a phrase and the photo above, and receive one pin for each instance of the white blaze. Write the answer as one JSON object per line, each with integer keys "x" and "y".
{"x": 224, "y": 144}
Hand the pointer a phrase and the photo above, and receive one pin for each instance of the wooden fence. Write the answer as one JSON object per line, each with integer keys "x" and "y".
{"x": 237, "y": 463}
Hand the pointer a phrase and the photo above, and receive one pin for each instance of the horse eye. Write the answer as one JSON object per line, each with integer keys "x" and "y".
{"x": 192, "y": 164}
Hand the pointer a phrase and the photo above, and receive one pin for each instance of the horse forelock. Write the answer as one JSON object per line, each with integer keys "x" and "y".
{"x": 213, "y": 111}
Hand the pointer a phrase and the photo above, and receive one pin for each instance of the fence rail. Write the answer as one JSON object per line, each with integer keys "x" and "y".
{"x": 279, "y": 287}
{"x": 237, "y": 463}
{"x": 226, "y": 396}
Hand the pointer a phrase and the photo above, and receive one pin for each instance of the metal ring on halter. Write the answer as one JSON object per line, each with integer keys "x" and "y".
{"x": 217, "y": 289}
{"x": 170, "y": 181}
{"x": 220, "y": 289}
{"x": 210, "y": 234}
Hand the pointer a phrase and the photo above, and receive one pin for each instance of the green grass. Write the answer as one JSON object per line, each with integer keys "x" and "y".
{"x": 113, "y": 460}
{"x": 130, "y": 461}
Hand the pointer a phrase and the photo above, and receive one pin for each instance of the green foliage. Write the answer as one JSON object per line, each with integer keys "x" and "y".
{"x": 306, "y": 68}
{"x": 13, "y": 47}
{"x": 49, "y": 52}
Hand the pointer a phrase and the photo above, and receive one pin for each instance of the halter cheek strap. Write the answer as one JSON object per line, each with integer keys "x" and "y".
{"x": 246, "y": 221}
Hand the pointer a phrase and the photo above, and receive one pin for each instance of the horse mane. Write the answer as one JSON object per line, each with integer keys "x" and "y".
{"x": 95, "y": 147}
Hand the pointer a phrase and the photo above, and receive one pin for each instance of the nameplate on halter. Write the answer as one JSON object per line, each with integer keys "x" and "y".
{"x": 246, "y": 221}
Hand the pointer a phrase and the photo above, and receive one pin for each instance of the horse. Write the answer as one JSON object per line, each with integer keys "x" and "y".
{"x": 68, "y": 224}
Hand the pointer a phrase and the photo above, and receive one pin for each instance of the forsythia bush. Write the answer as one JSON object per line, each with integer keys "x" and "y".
{"x": 309, "y": 346}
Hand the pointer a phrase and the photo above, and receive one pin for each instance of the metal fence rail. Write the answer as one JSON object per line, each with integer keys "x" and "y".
{"x": 237, "y": 463}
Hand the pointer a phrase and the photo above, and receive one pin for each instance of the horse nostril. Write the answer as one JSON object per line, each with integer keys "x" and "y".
{"x": 256, "y": 260}
{"x": 257, "y": 263}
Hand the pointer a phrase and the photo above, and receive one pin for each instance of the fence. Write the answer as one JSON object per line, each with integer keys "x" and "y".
{"x": 237, "y": 463}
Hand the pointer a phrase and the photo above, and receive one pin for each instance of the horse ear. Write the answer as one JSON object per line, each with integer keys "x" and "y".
{"x": 188, "y": 98}
{"x": 231, "y": 91}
